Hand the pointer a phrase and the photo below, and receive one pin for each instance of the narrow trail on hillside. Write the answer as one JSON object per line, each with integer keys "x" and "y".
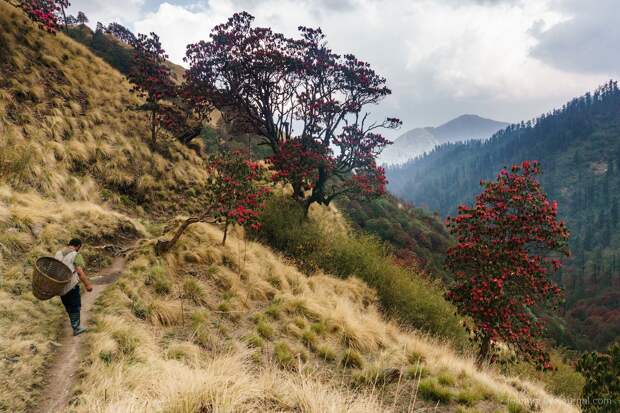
{"x": 61, "y": 375}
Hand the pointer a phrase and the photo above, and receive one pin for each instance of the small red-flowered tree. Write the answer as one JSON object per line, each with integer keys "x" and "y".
{"x": 306, "y": 102}
{"x": 508, "y": 244}
{"x": 46, "y": 13}
{"x": 234, "y": 195}
{"x": 151, "y": 78}
{"x": 167, "y": 103}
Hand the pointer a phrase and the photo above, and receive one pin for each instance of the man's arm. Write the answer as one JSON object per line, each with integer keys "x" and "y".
{"x": 79, "y": 268}
{"x": 84, "y": 279}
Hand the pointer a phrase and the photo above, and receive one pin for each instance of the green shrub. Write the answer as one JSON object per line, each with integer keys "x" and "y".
{"x": 326, "y": 352}
{"x": 283, "y": 355}
{"x": 309, "y": 339}
{"x": 468, "y": 396}
{"x": 515, "y": 408}
{"x": 106, "y": 356}
{"x": 446, "y": 379}
{"x": 318, "y": 328}
{"x": 265, "y": 329}
{"x": 159, "y": 280}
{"x": 192, "y": 290}
{"x": 212, "y": 270}
{"x": 275, "y": 282}
{"x": 352, "y": 359}
{"x": 298, "y": 306}
{"x": 374, "y": 375}
{"x": 140, "y": 309}
{"x": 257, "y": 317}
{"x": 431, "y": 389}
{"x": 274, "y": 309}
{"x": 127, "y": 342}
{"x": 602, "y": 372}
{"x": 563, "y": 380}
{"x": 414, "y": 357}
{"x": 300, "y": 322}
{"x": 417, "y": 371}
{"x": 284, "y": 228}
{"x": 402, "y": 292}
{"x": 254, "y": 341}
{"x": 224, "y": 307}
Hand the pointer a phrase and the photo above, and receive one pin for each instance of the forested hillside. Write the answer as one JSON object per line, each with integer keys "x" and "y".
{"x": 579, "y": 148}
{"x": 417, "y": 238}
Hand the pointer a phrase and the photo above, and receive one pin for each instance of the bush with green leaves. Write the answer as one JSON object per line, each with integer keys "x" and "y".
{"x": 601, "y": 393}
{"x": 402, "y": 293}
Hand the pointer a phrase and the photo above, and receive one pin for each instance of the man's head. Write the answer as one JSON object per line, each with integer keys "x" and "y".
{"x": 76, "y": 243}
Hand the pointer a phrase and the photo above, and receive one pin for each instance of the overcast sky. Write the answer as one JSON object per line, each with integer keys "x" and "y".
{"x": 504, "y": 59}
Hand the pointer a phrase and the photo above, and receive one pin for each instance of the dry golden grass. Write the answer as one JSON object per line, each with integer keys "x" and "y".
{"x": 328, "y": 349}
{"x": 30, "y": 227}
{"x": 67, "y": 128}
{"x": 70, "y": 151}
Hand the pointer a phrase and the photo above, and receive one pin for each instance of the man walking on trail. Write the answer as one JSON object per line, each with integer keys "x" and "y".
{"x": 70, "y": 296}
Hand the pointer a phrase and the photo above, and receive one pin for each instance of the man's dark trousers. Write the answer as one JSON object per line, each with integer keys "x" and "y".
{"x": 73, "y": 303}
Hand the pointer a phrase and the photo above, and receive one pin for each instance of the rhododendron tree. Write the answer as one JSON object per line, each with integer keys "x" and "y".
{"x": 167, "y": 102}
{"x": 151, "y": 79}
{"x": 306, "y": 102}
{"x": 601, "y": 392}
{"x": 508, "y": 244}
{"x": 235, "y": 194}
{"x": 46, "y": 13}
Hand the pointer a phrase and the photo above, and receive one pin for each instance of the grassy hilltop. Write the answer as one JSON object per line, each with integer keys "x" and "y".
{"x": 328, "y": 322}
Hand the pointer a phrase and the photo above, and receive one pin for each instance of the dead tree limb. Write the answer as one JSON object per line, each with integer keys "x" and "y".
{"x": 164, "y": 246}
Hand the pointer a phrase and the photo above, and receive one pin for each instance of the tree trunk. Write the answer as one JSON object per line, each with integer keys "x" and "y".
{"x": 153, "y": 128}
{"x": 318, "y": 191}
{"x": 164, "y": 246}
{"x": 483, "y": 353}
{"x": 306, "y": 206}
{"x": 64, "y": 17}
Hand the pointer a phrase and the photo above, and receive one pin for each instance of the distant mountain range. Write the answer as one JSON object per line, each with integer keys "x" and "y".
{"x": 417, "y": 141}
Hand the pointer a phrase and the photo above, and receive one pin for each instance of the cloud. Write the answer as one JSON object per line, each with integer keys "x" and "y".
{"x": 107, "y": 11}
{"x": 587, "y": 41}
{"x": 442, "y": 58}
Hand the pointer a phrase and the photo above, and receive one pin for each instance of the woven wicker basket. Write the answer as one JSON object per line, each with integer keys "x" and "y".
{"x": 49, "y": 278}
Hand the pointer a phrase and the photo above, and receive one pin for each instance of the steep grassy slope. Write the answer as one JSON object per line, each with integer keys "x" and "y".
{"x": 68, "y": 129}
{"x": 205, "y": 328}
{"x": 70, "y": 152}
{"x": 212, "y": 328}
